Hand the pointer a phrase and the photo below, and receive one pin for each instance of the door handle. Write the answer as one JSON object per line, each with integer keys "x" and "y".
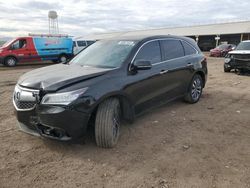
{"x": 189, "y": 65}
{"x": 163, "y": 71}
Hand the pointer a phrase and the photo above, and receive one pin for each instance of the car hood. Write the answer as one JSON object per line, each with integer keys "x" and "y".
{"x": 215, "y": 50}
{"x": 52, "y": 78}
{"x": 239, "y": 52}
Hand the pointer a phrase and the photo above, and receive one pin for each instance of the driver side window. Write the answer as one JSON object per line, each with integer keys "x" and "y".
{"x": 19, "y": 44}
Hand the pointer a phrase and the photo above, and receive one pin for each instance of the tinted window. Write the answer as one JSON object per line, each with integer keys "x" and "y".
{"x": 81, "y": 43}
{"x": 172, "y": 49}
{"x": 90, "y": 42}
{"x": 74, "y": 44}
{"x": 150, "y": 52}
{"x": 189, "y": 50}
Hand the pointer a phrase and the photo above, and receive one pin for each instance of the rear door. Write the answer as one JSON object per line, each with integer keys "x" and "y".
{"x": 176, "y": 68}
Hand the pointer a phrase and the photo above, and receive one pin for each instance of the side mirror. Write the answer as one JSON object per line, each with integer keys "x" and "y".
{"x": 142, "y": 65}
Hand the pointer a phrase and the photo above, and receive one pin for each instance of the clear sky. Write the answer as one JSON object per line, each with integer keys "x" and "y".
{"x": 81, "y": 17}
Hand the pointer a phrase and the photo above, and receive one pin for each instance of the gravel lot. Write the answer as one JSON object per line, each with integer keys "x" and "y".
{"x": 177, "y": 145}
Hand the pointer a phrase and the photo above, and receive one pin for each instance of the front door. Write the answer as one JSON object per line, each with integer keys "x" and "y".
{"x": 20, "y": 49}
{"x": 147, "y": 85}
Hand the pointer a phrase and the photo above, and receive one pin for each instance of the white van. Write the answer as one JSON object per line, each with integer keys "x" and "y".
{"x": 79, "y": 44}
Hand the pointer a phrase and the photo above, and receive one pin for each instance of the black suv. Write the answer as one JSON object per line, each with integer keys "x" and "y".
{"x": 109, "y": 81}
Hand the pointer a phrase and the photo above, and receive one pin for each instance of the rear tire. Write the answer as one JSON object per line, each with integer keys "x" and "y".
{"x": 107, "y": 123}
{"x": 195, "y": 90}
{"x": 10, "y": 61}
{"x": 63, "y": 58}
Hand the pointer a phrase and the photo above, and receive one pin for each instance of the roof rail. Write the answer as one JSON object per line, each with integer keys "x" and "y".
{"x": 47, "y": 35}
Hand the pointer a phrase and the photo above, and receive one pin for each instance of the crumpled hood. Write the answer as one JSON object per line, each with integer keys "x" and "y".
{"x": 52, "y": 78}
{"x": 239, "y": 52}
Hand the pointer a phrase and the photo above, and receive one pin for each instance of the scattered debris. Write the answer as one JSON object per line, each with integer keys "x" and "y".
{"x": 163, "y": 183}
{"x": 236, "y": 83}
{"x": 186, "y": 147}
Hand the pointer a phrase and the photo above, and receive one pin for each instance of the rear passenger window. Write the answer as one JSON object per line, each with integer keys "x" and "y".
{"x": 150, "y": 52}
{"x": 189, "y": 50}
{"x": 172, "y": 49}
{"x": 90, "y": 42}
{"x": 81, "y": 43}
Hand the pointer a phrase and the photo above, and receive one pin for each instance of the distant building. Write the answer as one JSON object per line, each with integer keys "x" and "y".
{"x": 207, "y": 36}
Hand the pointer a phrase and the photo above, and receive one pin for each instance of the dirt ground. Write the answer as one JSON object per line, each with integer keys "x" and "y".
{"x": 177, "y": 145}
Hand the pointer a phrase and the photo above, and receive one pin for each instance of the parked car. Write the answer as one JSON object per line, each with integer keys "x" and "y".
{"x": 80, "y": 44}
{"x": 36, "y": 48}
{"x": 238, "y": 58}
{"x": 110, "y": 80}
{"x": 221, "y": 50}
{"x": 205, "y": 45}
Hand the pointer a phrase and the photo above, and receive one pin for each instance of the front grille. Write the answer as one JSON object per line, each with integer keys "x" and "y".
{"x": 24, "y": 105}
{"x": 242, "y": 56}
{"x": 241, "y": 63}
{"x": 25, "y": 99}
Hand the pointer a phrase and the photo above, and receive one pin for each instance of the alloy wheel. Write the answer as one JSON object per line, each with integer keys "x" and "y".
{"x": 196, "y": 89}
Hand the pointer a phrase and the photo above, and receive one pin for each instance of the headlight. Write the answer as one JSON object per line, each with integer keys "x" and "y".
{"x": 63, "y": 98}
{"x": 227, "y": 60}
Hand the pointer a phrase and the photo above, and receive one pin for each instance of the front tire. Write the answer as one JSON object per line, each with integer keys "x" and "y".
{"x": 195, "y": 90}
{"x": 10, "y": 61}
{"x": 227, "y": 69}
{"x": 107, "y": 123}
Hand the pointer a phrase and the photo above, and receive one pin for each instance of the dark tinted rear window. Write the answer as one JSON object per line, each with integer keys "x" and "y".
{"x": 150, "y": 52}
{"x": 172, "y": 49}
{"x": 189, "y": 50}
{"x": 81, "y": 43}
{"x": 90, "y": 42}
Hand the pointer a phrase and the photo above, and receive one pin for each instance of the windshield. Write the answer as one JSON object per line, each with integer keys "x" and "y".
{"x": 8, "y": 43}
{"x": 243, "y": 46}
{"x": 104, "y": 54}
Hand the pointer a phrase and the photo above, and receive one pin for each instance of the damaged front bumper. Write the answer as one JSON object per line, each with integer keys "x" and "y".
{"x": 53, "y": 122}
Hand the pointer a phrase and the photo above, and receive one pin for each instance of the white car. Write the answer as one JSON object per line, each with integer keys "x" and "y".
{"x": 80, "y": 44}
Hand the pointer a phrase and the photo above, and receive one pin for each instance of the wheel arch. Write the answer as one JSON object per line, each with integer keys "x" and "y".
{"x": 128, "y": 112}
{"x": 203, "y": 76}
{"x": 8, "y": 56}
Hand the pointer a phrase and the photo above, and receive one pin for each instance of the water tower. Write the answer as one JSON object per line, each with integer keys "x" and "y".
{"x": 53, "y": 22}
